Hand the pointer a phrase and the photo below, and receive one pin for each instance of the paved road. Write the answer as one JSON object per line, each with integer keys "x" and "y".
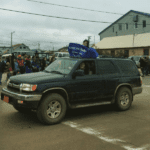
{"x": 94, "y": 128}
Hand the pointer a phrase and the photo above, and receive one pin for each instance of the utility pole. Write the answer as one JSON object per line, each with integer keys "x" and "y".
{"x": 38, "y": 46}
{"x": 11, "y": 41}
{"x": 89, "y": 37}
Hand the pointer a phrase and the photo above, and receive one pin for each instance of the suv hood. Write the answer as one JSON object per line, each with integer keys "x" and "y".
{"x": 39, "y": 77}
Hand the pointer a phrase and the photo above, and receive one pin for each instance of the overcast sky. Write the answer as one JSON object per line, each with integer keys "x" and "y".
{"x": 49, "y": 32}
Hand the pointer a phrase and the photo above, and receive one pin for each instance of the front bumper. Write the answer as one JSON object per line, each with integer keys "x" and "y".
{"x": 137, "y": 90}
{"x": 28, "y": 100}
{"x": 21, "y": 96}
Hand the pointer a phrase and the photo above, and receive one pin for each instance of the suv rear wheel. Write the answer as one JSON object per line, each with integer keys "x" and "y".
{"x": 52, "y": 109}
{"x": 124, "y": 98}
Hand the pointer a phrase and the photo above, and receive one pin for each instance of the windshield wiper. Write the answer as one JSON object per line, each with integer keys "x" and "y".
{"x": 56, "y": 72}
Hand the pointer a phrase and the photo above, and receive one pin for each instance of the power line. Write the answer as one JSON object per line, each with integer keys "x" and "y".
{"x": 75, "y": 7}
{"x": 53, "y": 16}
{"x": 63, "y": 17}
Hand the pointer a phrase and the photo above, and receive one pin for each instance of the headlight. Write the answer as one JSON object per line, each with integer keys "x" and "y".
{"x": 8, "y": 81}
{"x": 28, "y": 87}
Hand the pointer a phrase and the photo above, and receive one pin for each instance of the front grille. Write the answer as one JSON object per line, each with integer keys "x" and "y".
{"x": 13, "y": 85}
{"x": 13, "y": 89}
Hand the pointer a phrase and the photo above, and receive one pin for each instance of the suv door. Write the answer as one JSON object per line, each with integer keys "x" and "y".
{"x": 111, "y": 74}
{"x": 86, "y": 87}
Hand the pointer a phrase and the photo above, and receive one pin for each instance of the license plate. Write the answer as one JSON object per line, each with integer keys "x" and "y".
{"x": 6, "y": 99}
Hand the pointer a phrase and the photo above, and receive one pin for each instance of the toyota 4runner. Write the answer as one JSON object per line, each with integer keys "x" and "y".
{"x": 64, "y": 84}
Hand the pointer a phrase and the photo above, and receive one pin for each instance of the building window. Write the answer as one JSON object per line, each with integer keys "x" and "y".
{"x": 120, "y": 27}
{"x": 126, "y": 26}
{"x": 113, "y": 29}
{"x": 146, "y": 51}
{"x": 20, "y": 47}
{"x": 24, "y": 47}
{"x": 112, "y": 52}
{"x": 135, "y": 25}
{"x": 144, "y": 23}
{"x": 126, "y": 53}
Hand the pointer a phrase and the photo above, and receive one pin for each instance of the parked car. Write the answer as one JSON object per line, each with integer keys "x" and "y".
{"x": 137, "y": 59}
{"x": 6, "y": 55}
{"x": 61, "y": 54}
{"x": 64, "y": 85}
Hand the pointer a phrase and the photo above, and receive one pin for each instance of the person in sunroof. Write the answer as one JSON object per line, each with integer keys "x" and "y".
{"x": 86, "y": 43}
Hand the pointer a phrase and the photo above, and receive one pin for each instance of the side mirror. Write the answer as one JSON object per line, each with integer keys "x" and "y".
{"x": 78, "y": 73}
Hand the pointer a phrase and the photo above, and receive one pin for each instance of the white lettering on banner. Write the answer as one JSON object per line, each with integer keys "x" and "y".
{"x": 76, "y": 48}
{"x": 83, "y": 50}
{"x": 75, "y": 52}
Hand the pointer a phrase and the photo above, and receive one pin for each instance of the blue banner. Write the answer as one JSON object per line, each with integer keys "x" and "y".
{"x": 77, "y": 50}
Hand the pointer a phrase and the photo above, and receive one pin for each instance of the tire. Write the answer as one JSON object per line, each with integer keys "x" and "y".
{"x": 22, "y": 110}
{"x": 52, "y": 109}
{"x": 126, "y": 102}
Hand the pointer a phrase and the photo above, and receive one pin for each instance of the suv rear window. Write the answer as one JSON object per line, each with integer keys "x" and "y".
{"x": 106, "y": 67}
{"x": 127, "y": 67}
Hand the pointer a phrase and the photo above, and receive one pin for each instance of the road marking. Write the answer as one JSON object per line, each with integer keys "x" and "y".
{"x": 146, "y": 85}
{"x": 99, "y": 135}
{"x": 131, "y": 148}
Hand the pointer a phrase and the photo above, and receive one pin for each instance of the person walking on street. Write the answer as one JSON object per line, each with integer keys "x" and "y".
{"x": 142, "y": 65}
{"x": 43, "y": 64}
{"x": 2, "y": 67}
{"x": 38, "y": 62}
{"x": 8, "y": 68}
{"x": 146, "y": 66}
{"x": 35, "y": 67}
{"x": 16, "y": 67}
{"x": 28, "y": 66}
{"x": 21, "y": 64}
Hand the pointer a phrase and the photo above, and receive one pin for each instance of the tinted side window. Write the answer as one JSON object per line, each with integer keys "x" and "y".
{"x": 106, "y": 67}
{"x": 127, "y": 67}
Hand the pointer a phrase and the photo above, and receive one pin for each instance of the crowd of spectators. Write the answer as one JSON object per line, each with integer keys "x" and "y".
{"x": 14, "y": 65}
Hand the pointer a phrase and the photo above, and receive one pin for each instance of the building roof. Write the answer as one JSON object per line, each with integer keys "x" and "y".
{"x": 63, "y": 48}
{"x": 126, "y": 41}
{"x": 142, "y": 13}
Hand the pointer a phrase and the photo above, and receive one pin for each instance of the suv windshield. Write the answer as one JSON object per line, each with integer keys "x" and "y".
{"x": 61, "y": 66}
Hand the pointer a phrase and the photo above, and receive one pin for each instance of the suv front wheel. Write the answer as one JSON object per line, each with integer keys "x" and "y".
{"x": 124, "y": 98}
{"x": 52, "y": 109}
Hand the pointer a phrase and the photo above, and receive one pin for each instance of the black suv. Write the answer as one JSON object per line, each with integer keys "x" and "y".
{"x": 70, "y": 83}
